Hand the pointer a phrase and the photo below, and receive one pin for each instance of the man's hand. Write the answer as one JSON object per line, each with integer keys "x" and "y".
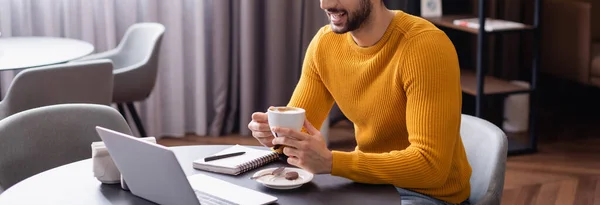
{"x": 307, "y": 151}
{"x": 260, "y": 128}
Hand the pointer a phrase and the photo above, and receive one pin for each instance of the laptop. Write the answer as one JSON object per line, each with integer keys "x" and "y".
{"x": 152, "y": 172}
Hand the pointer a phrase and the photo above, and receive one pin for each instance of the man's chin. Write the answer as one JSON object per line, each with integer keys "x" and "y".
{"x": 339, "y": 29}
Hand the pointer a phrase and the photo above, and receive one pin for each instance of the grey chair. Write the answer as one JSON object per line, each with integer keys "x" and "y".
{"x": 84, "y": 82}
{"x": 136, "y": 66}
{"x": 43, "y": 138}
{"x": 486, "y": 146}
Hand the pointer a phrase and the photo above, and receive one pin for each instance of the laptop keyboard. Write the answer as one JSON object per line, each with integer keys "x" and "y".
{"x": 207, "y": 199}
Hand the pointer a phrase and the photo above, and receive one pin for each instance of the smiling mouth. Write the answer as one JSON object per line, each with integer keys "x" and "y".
{"x": 337, "y": 17}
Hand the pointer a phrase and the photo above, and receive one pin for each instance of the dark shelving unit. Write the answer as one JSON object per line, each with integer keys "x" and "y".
{"x": 481, "y": 85}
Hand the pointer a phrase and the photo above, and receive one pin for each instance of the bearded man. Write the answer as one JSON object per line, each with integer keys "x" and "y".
{"x": 397, "y": 78}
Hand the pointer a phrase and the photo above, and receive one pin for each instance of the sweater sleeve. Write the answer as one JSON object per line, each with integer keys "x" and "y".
{"x": 310, "y": 93}
{"x": 430, "y": 77}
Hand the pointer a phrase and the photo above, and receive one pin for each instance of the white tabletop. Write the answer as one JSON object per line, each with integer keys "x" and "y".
{"x": 27, "y": 52}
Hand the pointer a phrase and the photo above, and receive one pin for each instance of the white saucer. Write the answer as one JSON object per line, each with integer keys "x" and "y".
{"x": 281, "y": 182}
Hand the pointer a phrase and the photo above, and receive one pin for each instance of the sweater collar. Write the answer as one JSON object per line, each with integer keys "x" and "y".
{"x": 381, "y": 43}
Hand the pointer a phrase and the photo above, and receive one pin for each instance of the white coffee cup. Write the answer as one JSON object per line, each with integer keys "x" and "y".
{"x": 104, "y": 168}
{"x": 286, "y": 117}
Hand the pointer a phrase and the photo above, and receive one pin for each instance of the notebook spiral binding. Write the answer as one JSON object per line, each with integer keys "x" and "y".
{"x": 258, "y": 162}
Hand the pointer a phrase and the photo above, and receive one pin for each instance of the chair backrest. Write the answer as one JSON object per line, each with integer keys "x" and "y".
{"x": 486, "y": 146}
{"x": 136, "y": 61}
{"x": 43, "y": 138}
{"x": 81, "y": 82}
{"x": 139, "y": 44}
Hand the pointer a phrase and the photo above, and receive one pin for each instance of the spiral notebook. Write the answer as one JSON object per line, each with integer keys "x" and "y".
{"x": 252, "y": 159}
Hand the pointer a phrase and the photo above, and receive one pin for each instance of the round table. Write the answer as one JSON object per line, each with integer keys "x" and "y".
{"x": 27, "y": 52}
{"x": 75, "y": 184}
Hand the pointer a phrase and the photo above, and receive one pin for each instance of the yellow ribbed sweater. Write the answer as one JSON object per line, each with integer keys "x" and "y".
{"x": 403, "y": 96}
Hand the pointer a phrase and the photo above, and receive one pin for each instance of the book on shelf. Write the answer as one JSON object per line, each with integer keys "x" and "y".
{"x": 251, "y": 159}
{"x": 490, "y": 24}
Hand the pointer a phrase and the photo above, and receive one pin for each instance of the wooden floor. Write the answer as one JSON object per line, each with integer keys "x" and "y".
{"x": 566, "y": 170}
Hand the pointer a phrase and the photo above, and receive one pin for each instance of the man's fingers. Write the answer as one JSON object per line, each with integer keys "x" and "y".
{"x": 260, "y": 117}
{"x": 294, "y": 161}
{"x": 266, "y": 143}
{"x": 287, "y": 141}
{"x": 263, "y": 135}
{"x": 291, "y": 152}
{"x": 312, "y": 130}
{"x": 289, "y": 133}
{"x": 259, "y": 127}
{"x": 265, "y": 140}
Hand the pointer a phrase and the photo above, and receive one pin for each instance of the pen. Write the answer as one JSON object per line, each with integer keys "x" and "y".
{"x": 223, "y": 156}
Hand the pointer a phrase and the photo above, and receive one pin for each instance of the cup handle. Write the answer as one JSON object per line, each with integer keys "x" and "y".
{"x": 276, "y": 146}
{"x": 279, "y": 150}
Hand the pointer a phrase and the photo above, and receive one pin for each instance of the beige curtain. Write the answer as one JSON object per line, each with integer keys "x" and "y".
{"x": 265, "y": 49}
{"x": 221, "y": 60}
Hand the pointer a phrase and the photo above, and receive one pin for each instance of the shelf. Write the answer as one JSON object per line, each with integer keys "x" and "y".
{"x": 493, "y": 85}
{"x": 447, "y": 21}
{"x": 518, "y": 143}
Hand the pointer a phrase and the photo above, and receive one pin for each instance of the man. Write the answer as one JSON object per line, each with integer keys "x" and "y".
{"x": 397, "y": 78}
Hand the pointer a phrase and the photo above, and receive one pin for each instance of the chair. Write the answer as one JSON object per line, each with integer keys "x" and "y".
{"x": 486, "y": 146}
{"x": 84, "y": 82}
{"x": 43, "y": 138}
{"x": 136, "y": 66}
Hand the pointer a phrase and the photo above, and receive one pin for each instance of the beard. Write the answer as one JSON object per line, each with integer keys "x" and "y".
{"x": 355, "y": 19}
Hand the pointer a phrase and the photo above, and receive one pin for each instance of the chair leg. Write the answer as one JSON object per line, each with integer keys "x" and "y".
{"x": 136, "y": 119}
{"x": 122, "y": 110}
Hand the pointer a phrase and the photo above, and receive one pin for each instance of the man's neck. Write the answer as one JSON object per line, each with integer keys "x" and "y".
{"x": 371, "y": 32}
